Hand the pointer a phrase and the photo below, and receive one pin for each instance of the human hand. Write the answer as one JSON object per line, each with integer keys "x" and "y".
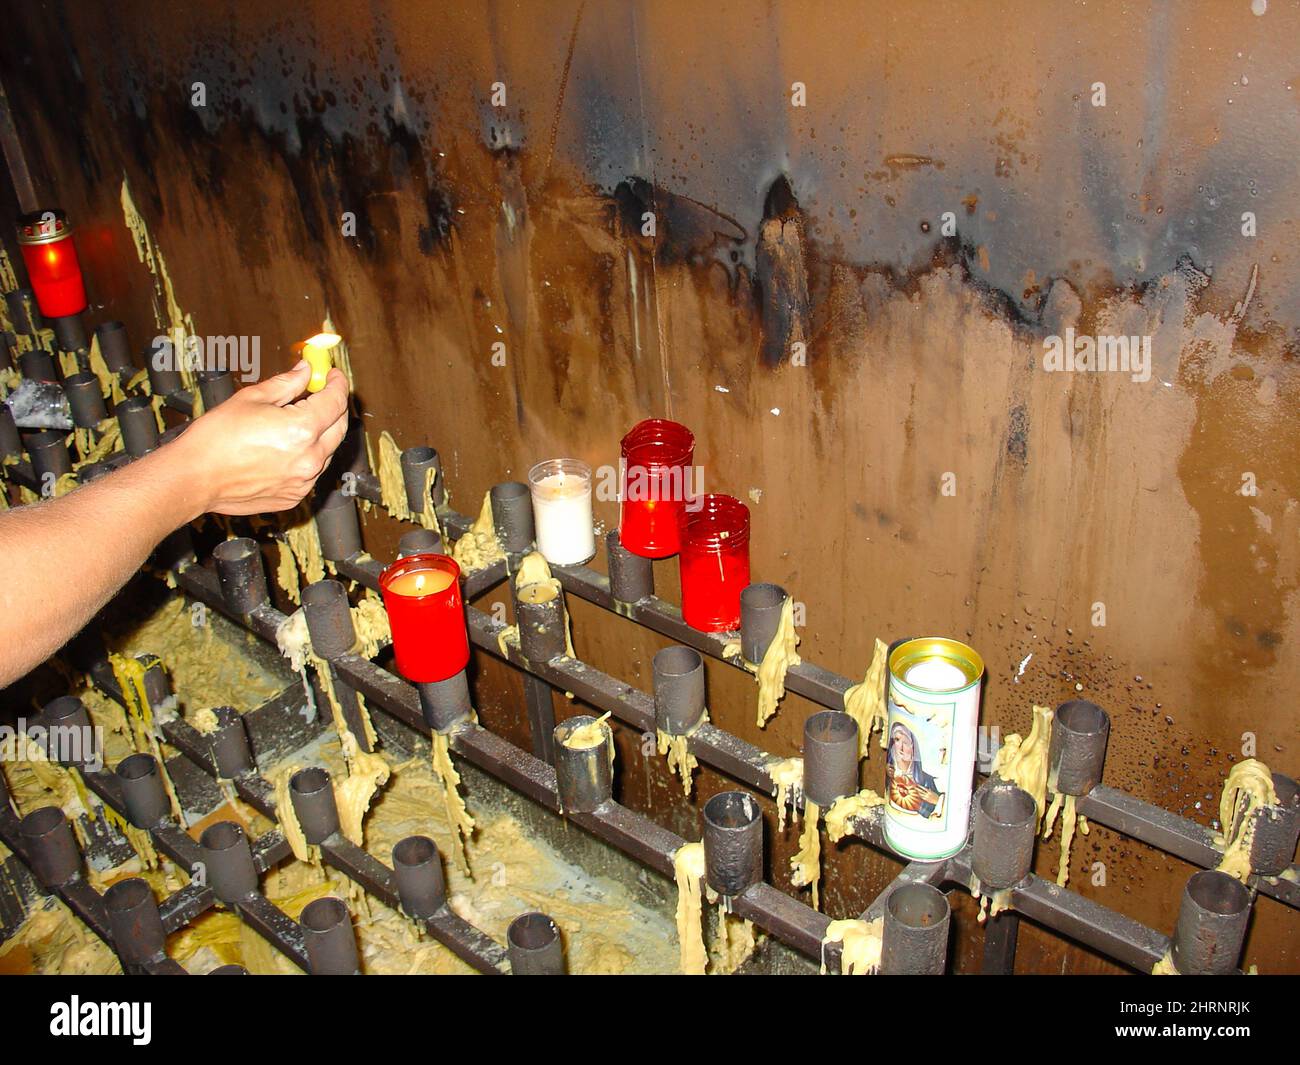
{"x": 263, "y": 449}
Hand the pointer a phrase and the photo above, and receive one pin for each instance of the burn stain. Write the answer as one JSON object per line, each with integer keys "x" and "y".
{"x": 1018, "y": 434}
{"x": 781, "y": 275}
{"x": 687, "y": 232}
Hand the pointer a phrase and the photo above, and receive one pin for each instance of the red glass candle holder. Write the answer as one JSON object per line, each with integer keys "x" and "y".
{"x": 657, "y": 455}
{"x": 714, "y": 562}
{"x": 430, "y": 641}
{"x": 45, "y": 239}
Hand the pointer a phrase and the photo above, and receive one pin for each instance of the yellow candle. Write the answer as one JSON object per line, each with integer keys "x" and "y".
{"x": 317, "y": 353}
{"x": 420, "y": 582}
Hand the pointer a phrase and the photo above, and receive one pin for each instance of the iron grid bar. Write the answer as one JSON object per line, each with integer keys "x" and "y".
{"x": 338, "y": 852}
{"x": 1110, "y": 807}
{"x": 788, "y": 919}
{"x": 88, "y": 904}
{"x": 1091, "y": 923}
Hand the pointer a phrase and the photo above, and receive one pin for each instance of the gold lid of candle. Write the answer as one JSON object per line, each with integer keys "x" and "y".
{"x": 43, "y": 227}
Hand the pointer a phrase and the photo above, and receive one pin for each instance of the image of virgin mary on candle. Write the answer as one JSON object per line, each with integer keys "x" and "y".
{"x": 908, "y": 785}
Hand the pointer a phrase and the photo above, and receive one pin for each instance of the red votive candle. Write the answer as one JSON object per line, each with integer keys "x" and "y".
{"x": 45, "y": 239}
{"x": 422, "y": 596}
{"x": 656, "y": 457}
{"x": 714, "y": 562}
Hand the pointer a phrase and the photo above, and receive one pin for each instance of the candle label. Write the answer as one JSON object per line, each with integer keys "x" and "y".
{"x": 933, "y": 715}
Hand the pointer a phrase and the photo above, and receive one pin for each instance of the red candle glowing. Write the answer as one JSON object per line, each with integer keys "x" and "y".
{"x": 714, "y": 562}
{"x": 657, "y": 455}
{"x": 425, "y": 612}
{"x": 45, "y": 239}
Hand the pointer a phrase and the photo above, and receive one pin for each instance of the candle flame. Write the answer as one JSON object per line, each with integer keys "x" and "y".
{"x": 324, "y": 341}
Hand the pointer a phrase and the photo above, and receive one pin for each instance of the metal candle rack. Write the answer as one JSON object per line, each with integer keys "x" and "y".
{"x": 1207, "y": 937}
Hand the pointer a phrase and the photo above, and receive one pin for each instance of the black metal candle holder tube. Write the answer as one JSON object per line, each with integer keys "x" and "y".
{"x": 228, "y": 862}
{"x": 157, "y": 685}
{"x": 11, "y": 442}
{"x": 51, "y": 845}
{"x": 231, "y": 754}
{"x": 241, "y": 574}
{"x": 418, "y": 869}
{"x": 70, "y": 332}
{"x": 830, "y": 757}
{"x": 228, "y": 970}
{"x": 50, "y": 459}
{"x": 85, "y": 400}
{"x": 338, "y": 527}
{"x": 416, "y": 462}
{"x": 215, "y": 387}
{"x": 331, "y": 943}
{"x": 541, "y": 622}
{"x": 512, "y": 516}
{"x": 678, "y": 690}
{"x": 631, "y": 577}
{"x": 139, "y": 424}
{"x": 312, "y": 794}
{"x": 37, "y": 364}
{"x": 1211, "y": 927}
{"x": 1277, "y": 829}
{"x": 419, "y": 542}
{"x": 1077, "y": 752}
{"x": 1006, "y": 822}
{"x": 915, "y": 934}
{"x": 135, "y": 923}
{"x": 760, "y": 618}
{"x": 176, "y": 551}
{"x": 534, "y": 946}
{"x": 584, "y": 775}
{"x": 445, "y": 703}
{"x": 69, "y": 732}
{"x": 733, "y": 842}
{"x": 115, "y": 347}
{"x": 23, "y": 311}
{"x": 93, "y": 471}
{"x": 143, "y": 793}
{"x": 352, "y": 456}
{"x": 329, "y": 618}
{"x": 161, "y": 366}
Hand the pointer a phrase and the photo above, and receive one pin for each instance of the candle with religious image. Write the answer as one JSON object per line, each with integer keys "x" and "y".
{"x": 931, "y": 732}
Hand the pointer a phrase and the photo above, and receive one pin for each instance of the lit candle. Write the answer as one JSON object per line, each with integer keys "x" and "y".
{"x": 427, "y": 617}
{"x": 561, "y": 491}
{"x": 317, "y": 353}
{"x": 45, "y": 240}
{"x": 420, "y": 582}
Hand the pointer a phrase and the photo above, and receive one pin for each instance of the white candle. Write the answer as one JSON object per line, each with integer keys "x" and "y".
{"x": 936, "y": 675}
{"x": 561, "y": 491}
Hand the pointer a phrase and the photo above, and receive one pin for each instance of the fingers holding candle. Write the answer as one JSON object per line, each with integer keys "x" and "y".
{"x": 316, "y": 353}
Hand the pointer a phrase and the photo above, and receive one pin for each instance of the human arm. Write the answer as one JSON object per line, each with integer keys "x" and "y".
{"x": 258, "y": 452}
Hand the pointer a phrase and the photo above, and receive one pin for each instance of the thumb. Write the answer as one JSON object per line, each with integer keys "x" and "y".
{"x": 283, "y": 388}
